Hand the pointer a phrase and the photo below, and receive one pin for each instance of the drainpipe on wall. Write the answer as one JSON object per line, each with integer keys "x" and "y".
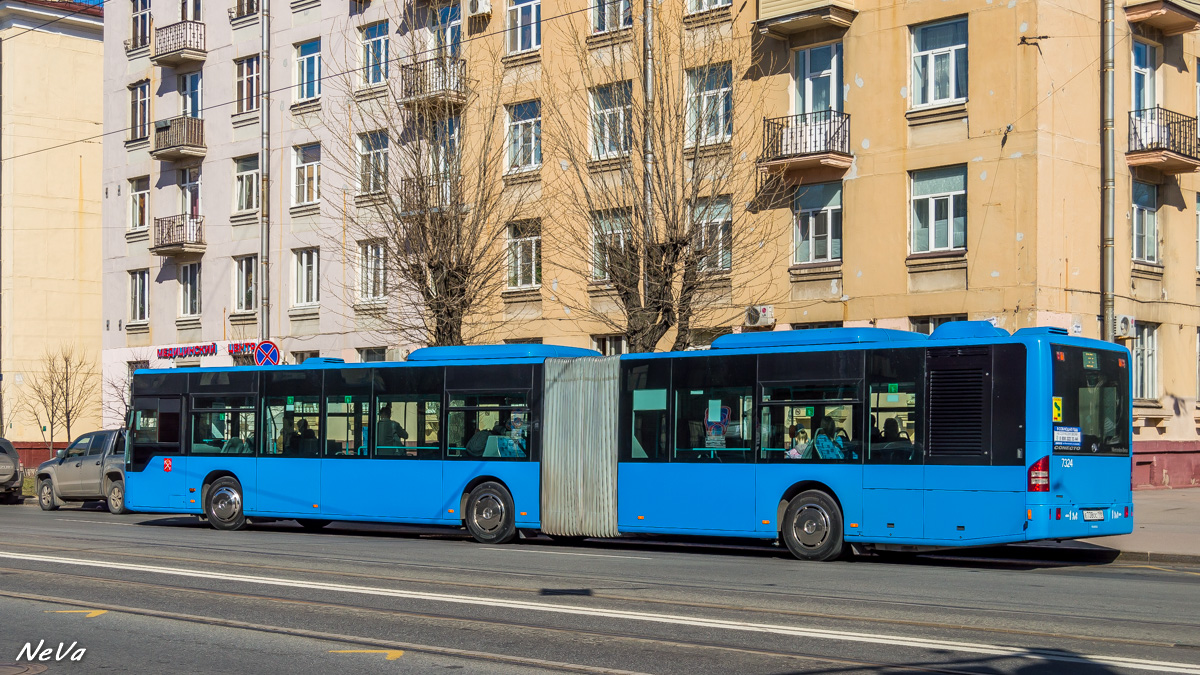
{"x": 1108, "y": 186}
{"x": 264, "y": 169}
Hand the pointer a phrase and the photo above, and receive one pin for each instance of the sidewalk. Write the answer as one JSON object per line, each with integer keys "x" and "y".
{"x": 1166, "y": 528}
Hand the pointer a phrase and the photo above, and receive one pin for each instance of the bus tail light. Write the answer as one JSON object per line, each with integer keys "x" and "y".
{"x": 1039, "y": 475}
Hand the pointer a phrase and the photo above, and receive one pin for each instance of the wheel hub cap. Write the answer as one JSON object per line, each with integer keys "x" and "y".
{"x": 226, "y": 504}
{"x": 811, "y": 526}
{"x": 489, "y": 513}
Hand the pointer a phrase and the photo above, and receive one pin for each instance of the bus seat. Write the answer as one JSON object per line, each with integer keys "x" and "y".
{"x": 493, "y": 447}
{"x": 638, "y": 452}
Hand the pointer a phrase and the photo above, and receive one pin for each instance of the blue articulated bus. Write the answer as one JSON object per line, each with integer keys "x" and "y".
{"x": 880, "y": 439}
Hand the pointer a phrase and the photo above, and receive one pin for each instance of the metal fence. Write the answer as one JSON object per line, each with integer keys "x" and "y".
{"x": 421, "y": 193}
{"x": 178, "y": 230}
{"x": 435, "y": 76}
{"x": 1160, "y": 129}
{"x": 807, "y": 134}
{"x": 178, "y": 131}
{"x": 178, "y": 37}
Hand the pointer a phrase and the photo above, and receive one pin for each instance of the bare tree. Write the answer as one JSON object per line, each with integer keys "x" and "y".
{"x": 117, "y": 394}
{"x": 61, "y": 392}
{"x": 657, "y": 187}
{"x": 415, "y": 145}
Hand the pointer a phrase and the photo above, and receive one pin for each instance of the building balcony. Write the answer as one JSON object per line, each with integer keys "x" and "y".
{"x": 1172, "y": 18}
{"x": 178, "y": 235}
{"x": 178, "y": 138}
{"x": 440, "y": 81}
{"x": 178, "y": 44}
{"x": 1164, "y": 140}
{"x": 785, "y": 18}
{"x": 808, "y": 141}
{"x": 422, "y": 194}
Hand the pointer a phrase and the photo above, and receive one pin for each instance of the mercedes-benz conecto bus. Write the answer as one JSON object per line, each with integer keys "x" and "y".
{"x": 823, "y": 438}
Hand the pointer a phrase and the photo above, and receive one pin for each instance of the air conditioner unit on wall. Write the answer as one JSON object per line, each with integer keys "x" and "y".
{"x": 760, "y": 315}
{"x": 1126, "y": 325}
{"x": 479, "y": 8}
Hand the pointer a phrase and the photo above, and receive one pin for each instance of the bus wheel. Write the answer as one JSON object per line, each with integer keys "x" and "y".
{"x": 489, "y": 514}
{"x": 223, "y": 505}
{"x": 812, "y": 526}
{"x": 312, "y": 525}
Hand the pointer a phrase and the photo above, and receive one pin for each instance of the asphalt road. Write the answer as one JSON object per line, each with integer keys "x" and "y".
{"x": 154, "y": 594}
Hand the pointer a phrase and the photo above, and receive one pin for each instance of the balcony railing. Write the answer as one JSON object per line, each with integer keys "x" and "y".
{"x": 137, "y": 42}
{"x": 1163, "y": 139}
{"x": 178, "y": 138}
{"x": 428, "y": 193}
{"x": 179, "y": 43}
{"x": 176, "y": 235}
{"x": 243, "y": 8}
{"x": 816, "y": 139}
{"x": 439, "y": 79}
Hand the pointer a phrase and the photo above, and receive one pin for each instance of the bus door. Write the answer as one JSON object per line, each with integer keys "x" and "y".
{"x": 893, "y": 471}
{"x": 155, "y": 468}
{"x": 289, "y": 467}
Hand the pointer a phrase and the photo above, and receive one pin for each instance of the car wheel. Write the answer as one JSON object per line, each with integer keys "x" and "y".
{"x": 116, "y": 497}
{"x": 46, "y": 498}
{"x": 812, "y": 526}
{"x": 311, "y": 524}
{"x": 223, "y": 504}
{"x": 489, "y": 514}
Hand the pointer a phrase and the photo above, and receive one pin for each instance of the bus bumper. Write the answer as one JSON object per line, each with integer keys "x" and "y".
{"x": 1078, "y": 521}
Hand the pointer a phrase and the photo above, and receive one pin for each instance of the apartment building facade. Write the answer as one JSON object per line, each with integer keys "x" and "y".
{"x": 939, "y": 160}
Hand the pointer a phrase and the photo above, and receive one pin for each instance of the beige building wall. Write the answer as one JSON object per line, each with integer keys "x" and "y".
{"x": 49, "y": 198}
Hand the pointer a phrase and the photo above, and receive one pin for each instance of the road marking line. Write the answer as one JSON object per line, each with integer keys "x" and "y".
{"x": 589, "y": 555}
{"x": 392, "y": 654}
{"x": 797, "y": 631}
{"x": 91, "y": 613}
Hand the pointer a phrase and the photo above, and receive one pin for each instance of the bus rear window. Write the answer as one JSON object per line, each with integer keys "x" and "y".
{"x": 1090, "y": 409}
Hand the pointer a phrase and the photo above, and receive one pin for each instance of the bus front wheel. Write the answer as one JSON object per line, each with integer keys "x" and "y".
{"x": 812, "y": 526}
{"x": 489, "y": 514}
{"x": 223, "y": 504}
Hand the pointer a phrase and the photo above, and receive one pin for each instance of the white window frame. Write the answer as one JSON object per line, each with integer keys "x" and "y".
{"x": 525, "y": 254}
{"x": 712, "y": 219}
{"x": 828, "y": 215}
{"x": 191, "y": 94}
{"x": 140, "y": 24}
{"x": 1145, "y": 361}
{"x": 950, "y": 198}
{"x": 372, "y": 271}
{"x": 248, "y": 80}
{"x": 306, "y": 277}
{"x": 139, "y": 204}
{"x": 190, "y": 192}
{"x": 191, "y": 10}
{"x": 1144, "y": 222}
{"x": 190, "y": 300}
{"x": 1198, "y": 231}
{"x": 695, "y": 6}
{"x": 139, "y": 110}
{"x": 610, "y": 129}
{"x": 308, "y": 71}
{"x": 524, "y": 138}
{"x": 307, "y": 176}
{"x": 372, "y": 162}
{"x": 245, "y": 283}
{"x": 374, "y": 53}
{"x": 524, "y": 26}
{"x": 1149, "y": 72}
{"x": 611, "y": 15}
{"x": 610, "y": 345}
{"x": 927, "y": 96}
{"x": 247, "y": 185}
{"x": 139, "y": 296}
{"x": 611, "y": 225}
{"x": 364, "y": 352}
{"x": 710, "y": 108}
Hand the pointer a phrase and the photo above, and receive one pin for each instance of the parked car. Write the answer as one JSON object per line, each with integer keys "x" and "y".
{"x": 91, "y": 468}
{"x": 11, "y": 473}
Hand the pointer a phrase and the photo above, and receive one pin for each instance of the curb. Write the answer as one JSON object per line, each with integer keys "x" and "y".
{"x": 1165, "y": 558}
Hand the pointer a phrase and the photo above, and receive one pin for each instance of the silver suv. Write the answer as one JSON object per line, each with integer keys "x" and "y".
{"x": 11, "y": 474}
{"x": 91, "y": 468}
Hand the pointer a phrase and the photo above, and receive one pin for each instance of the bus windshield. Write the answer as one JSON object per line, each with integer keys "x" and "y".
{"x": 1091, "y": 402}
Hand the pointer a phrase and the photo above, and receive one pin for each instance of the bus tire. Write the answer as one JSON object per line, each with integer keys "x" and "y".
{"x": 312, "y": 524}
{"x": 223, "y": 504}
{"x": 116, "y": 497}
{"x": 46, "y": 498}
{"x": 489, "y": 517}
{"x": 812, "y": 526}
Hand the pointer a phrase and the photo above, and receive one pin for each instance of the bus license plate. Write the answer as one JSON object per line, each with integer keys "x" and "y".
{"x": 1093, "y": 514}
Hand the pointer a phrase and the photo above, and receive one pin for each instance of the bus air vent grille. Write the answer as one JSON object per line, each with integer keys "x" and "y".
{"x": 956, "y": 411}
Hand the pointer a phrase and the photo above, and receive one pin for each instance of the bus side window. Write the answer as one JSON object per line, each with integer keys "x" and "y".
{"x": 644, "y": 411}
{"x": 488, "y": 425}
{"x": 291, "y": 414}
{"x": 896, "y": 406}
{"x": 347, "y": 413}
{"x": 713, "y": 398}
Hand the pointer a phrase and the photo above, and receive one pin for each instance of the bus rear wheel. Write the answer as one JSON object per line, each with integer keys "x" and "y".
{"x": 812, "y": 526}
{"x": 223, "y": 504}
{"x": 489, "y": 514}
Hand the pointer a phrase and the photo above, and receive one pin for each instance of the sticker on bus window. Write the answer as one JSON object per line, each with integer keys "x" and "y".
{"x": 1056, "y": 409}
{"x": 291, "y": 404}
{"x": 893, "y": 388}
{"x": 1067, "y": 438}
{"x": 809, "y": 411}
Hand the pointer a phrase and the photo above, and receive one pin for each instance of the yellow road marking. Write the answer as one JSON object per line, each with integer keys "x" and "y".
{"x": 1162, "y": 569}
{"x": 91, "y": 613}
{"x": 392, "y": 654}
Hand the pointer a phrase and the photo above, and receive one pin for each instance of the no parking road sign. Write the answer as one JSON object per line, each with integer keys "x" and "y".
{"x": 266, "y": 354}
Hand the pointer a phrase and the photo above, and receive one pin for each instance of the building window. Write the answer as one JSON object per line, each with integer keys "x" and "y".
{"x": 610, "y": 345}
{"x": 373, "y": 162}
{"x": 308, "y": 174}
{"x": 139, "y": 203}
{"x": 1144, "y": 89}
{"x": 608, "y": 237}
{"x": 1145, "y": 361}
{"x": 1198, "y": 231}
{"x": 189, "y": 290}
{"x": 713, "y": 220}
{"x": 524, "y": 25}
{"x": 139, "y": 295}
{"x": 249, "y": 86}
{"x": 244, "y": 290}
{"x": 372, "y": 272}
{"x": 308, "y": 70}
{"x": 525, "y": 136}
{"x": 139, "y": 110}
{"x": 816, "y": 324}
{"x": 1145, "y": 222}
{"x": 611, "y": 15}
{"x": 246, "y": 183}
{"x": 301, "y": 357}
{"x": 928, "y": 324}
{"x": 940, "y": 63}
{"x": 710, "y": 104}
{"x": 705, "y": 5}
{"x": 372, "y": 354}
{"x": 189, "y": 192}
{"x": 525, "y": 254}
{"x": 191, "y": 99}
{"x": 939, "y": 209}
{"x": 818, "y": 231}
{"x": 140, "y": 34}
{"x": 191, "y": 10}
{"x": 308, "y": 270}
{"x": 611, "y": 115}
{"x": 818, "y": 90}
{"x": 375, "y": 54}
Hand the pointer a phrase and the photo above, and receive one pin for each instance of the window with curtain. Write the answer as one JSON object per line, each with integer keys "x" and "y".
{"x": 939, "y": 209}
{"x": 940, "y": 63}
{"x": 818, "y": 229}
